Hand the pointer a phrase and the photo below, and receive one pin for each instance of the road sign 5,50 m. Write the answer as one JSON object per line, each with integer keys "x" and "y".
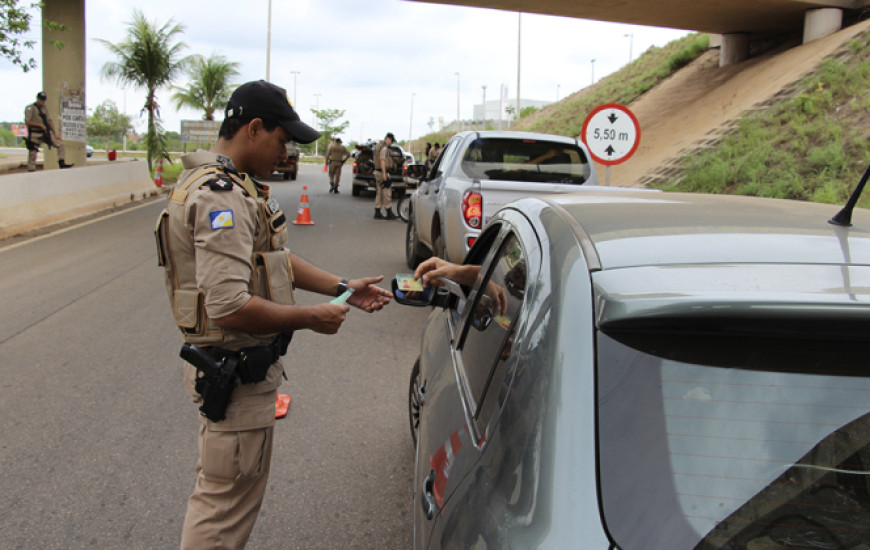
{"x": 611, "y": 133}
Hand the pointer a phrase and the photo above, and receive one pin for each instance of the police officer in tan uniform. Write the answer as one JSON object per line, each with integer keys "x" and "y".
{"x": 383, "y": 189}
{"x": 40, "y": 129}
{"x": 433, "y": 154}
{"x": 336, "y": 156}
{"x": 230, "y": 280}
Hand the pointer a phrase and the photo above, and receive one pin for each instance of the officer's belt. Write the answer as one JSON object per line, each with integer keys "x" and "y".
{"x": 254, "y": 361}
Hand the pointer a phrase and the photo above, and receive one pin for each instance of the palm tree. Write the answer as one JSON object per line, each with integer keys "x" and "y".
{"x": 209, "y": 88}
{"x": 148, "y": 59}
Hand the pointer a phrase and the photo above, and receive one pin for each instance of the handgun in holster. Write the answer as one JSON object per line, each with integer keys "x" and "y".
{"x": 218, "y": 379}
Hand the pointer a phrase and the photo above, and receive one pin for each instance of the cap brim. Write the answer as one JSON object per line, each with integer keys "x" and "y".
{"x": 299, "y": 131}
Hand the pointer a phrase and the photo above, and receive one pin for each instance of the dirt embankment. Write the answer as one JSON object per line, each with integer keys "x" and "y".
{"x": 697, "y": 103}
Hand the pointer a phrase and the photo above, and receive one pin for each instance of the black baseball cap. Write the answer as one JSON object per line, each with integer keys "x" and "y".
{"x": 261, "y": 99}
{"x": 41, "y": 95}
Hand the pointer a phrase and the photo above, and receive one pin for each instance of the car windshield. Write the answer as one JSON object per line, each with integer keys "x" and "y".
{"x": 525, "y": 160}
{"x": 734, "y": 442}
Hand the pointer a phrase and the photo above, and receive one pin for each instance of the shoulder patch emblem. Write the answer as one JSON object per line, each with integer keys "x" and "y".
{"x": 221, "y": 219}
{"x": 220, "y": 184}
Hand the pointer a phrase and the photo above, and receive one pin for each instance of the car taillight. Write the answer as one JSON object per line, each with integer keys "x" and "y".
{"x": 354, "y": 167}
{"x": 472, "y": 209}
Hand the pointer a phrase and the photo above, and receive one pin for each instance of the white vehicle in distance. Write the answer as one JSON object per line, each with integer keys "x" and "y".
{"x": 479, "y": 172}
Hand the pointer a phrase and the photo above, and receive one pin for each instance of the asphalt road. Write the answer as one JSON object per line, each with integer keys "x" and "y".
{"x": 98, "y": 437}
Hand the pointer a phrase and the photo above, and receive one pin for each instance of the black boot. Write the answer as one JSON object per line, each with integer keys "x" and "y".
{"x": 390, "y": 215}
{"x": 378, "y": 215}
{"x": 332, "y": 189}
{"x": 63, "y": 164}
{"x": 335, "y": 190}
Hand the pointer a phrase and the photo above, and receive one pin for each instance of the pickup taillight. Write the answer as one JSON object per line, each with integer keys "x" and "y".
{"x": 354, "y": 167}
{"x": 472, "y": 209}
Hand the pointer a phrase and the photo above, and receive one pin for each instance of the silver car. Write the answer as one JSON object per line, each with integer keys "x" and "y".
{"x": 479, "y": 172}
{"x": 670, "y": 372}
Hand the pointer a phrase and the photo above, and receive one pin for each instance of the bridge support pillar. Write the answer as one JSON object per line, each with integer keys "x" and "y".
{"x": 734, "y": 49}
{"x": 63, "y": 75}
{"x": 822, "y": 22}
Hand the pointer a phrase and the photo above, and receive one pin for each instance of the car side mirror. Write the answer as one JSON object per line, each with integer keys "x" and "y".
{"x": 413, "y": 298}
{"x": 432, "y": 296}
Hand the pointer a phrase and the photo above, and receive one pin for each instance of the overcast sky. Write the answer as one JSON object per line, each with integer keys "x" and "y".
{"x": 371, "y": 58}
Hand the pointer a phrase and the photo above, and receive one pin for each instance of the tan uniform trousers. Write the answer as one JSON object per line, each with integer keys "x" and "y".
{"x": 40, "y": 138}
{"x": 383, "y": 194}
{"x": 232, "y": 470}
{"x": 335, "y": 172}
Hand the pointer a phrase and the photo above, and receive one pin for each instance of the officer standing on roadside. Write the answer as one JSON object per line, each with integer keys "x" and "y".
{"x": 230, "y": 282}
{"x": 336, "y": 156}
{"x": 41, "y": 130}
{"x": 384, "y": 191}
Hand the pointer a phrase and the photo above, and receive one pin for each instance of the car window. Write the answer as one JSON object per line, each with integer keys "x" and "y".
{"x": 526, "y": 160}
{"x": 492, "y": 318}
{"x": 733, "y": 442}
{"x": 445, "y": 157}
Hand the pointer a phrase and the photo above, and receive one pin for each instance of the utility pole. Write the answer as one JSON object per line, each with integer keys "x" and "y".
{"x": 519, "y": 39}
{"x": 294, "y": 73}
{"x": 411, "y": 123}
{"x": 458, "y": 123}
{"x": 316, "y": 108}
{"x": 268, "y": 40}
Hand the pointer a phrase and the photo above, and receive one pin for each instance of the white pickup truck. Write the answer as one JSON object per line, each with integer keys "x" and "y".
{"x": 478, "y": 173}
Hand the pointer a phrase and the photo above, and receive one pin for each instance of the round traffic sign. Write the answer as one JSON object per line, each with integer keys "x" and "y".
{"x": 611, "y": 133}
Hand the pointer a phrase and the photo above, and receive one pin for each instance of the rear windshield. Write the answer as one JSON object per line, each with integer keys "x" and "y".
{"x": 525, "y": 160}
{"x": 734, "y": 443}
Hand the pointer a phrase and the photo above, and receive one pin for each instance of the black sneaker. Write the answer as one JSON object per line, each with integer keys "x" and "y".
{"x": 390, "y": 215}
{"x": 378, "y": 215}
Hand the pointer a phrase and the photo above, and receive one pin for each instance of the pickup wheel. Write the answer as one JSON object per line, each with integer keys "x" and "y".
{"x": 287, "y": 176}
{"x": 398, "y": 192}
{"x": 292, "y": 177}
{"x": 414, "y": 251}
{"x": 355, "y": 190}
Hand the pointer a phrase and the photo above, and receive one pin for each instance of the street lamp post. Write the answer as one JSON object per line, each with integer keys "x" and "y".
{"x": 557, "y": 91}
{"x": 316, "y": 108}
{"x": 630, "y": 37}
{"x": 294, "y": 73}
{"x": 268, "y": 39}
{"x": 519, "y": 39}
{"x": 458, "y": 123}
{"x": 411, "y": 123}
{"x": 593, "y": 71}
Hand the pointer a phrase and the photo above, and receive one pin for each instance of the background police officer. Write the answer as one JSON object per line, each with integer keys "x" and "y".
{"x": 383, "y": 186}
{"x": 40, "y": 129}
{"x": 221, "y": 240}
{"x": 336, "y": 156}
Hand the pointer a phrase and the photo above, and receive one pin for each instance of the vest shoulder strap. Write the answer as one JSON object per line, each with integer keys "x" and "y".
{"x": 179, "y": 193}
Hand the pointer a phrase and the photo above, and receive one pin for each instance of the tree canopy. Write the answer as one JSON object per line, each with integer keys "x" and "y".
{"x": 148, "y": 59}
{"x": 14, "y": 24}
{"x": 209, "y": 88}
{"x": 108, "y": 123}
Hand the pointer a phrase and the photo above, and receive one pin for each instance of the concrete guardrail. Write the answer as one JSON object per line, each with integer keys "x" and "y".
{"x": 32, "y": 200}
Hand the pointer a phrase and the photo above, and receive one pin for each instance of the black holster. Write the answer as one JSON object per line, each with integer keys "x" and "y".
{"x": 218, "y": 379}
{"x": 219, "y": 368}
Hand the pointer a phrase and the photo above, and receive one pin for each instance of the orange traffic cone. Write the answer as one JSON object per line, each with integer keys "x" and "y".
{"x": 282, "y": 403}
{"x": 158, "y": 175}
{"x": 303, "y": 215}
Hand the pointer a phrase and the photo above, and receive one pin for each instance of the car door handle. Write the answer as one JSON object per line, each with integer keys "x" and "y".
{"x": 428, "y": 497}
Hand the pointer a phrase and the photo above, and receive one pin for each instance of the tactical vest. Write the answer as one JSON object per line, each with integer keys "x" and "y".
{"x": 388, "y": 163}
{"x": 272, "y": 277}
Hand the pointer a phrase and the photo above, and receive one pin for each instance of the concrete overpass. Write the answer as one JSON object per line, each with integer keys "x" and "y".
{"x": 737, "y": 21}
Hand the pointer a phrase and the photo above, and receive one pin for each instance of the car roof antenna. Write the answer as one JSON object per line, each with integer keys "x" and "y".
{"x": 844, "y": 216}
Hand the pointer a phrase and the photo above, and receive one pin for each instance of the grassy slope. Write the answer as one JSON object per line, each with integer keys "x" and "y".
{"x": 813, "y": 146}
